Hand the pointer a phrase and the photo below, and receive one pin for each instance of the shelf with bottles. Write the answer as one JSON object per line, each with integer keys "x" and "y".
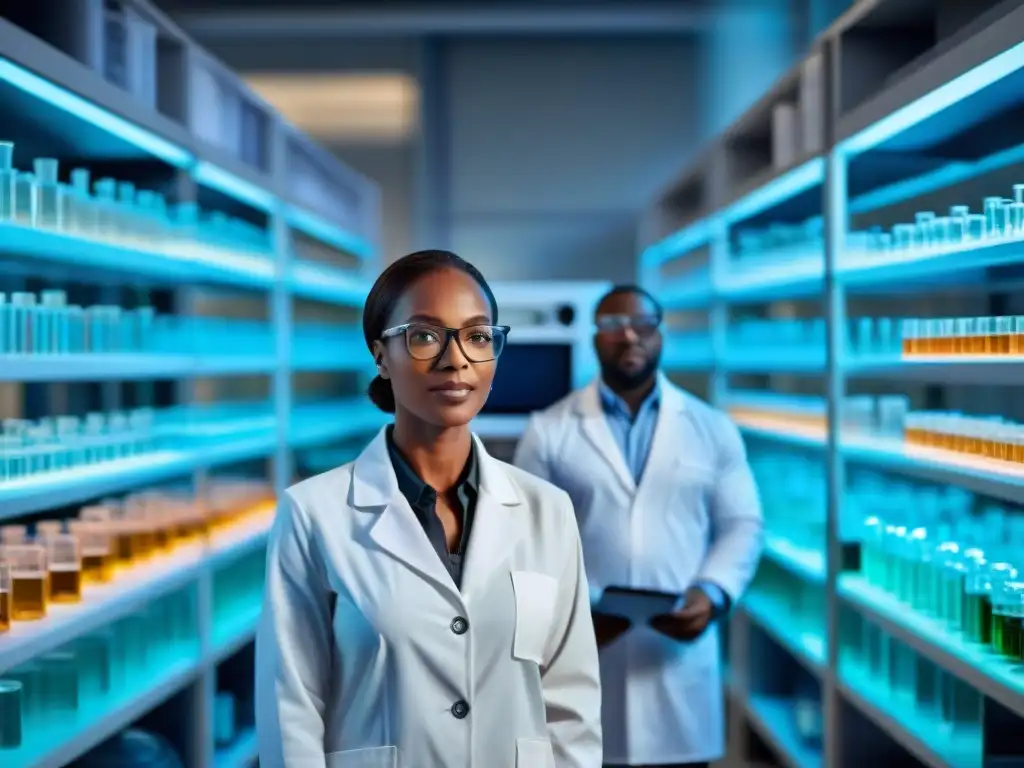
{"x": 791, "y": 610}
{"x": 114, "y": 226}
{"x": 978, "y": 453}
{"x": 943, "y": 579}
{"x": 117, "y": 555}
{"x": 933, "y": 714}
{"x": 765, "y": 345}
{"x": 56, "y": 462}
{"x": 793, "y": 500}
{"x": 64, "y": 701}
{"x": 933, "y": 245}
{"x": 775, "y": 262}
{"x": 237, "y": 599}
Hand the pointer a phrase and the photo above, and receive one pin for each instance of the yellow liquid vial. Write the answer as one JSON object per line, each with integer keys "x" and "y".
{"x": 162, "y": 540}
{"x": 124, "y": 544}
{"x": 5, "y": 611}
{"x": 28, "y": 597}
{"x": 1016, "y": 344}
{"x": 1001, "y": 344}
{"x": 143, "y": 544}
{"x": 98, "y": 569}
{"x": 66, "y": 585}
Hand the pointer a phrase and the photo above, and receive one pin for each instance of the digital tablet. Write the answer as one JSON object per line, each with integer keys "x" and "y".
{"x": 637, "y": 605}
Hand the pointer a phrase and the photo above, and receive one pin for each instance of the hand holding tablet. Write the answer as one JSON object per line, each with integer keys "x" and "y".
{"x": 638, "y": 606}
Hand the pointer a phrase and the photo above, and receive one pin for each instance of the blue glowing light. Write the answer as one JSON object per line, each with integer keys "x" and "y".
{"x": 778, "y": 190}
{"x": 97, "y": 116}
{"x": 678, "y": 243}
{"x": 323, "y": 230}
{"x": 215, "y": 177}
{"x": 943, "y": 97}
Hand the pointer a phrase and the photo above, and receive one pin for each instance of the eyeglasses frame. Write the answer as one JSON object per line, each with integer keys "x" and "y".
{"x": 450, "y": 333}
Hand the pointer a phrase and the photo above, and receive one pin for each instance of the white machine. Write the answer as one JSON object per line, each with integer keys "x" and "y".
{"x": 549, "y": 353}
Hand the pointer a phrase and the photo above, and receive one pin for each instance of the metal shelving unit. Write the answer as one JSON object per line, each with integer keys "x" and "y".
{"x": 57, "y": 101}
{"x": 912, "y": 103}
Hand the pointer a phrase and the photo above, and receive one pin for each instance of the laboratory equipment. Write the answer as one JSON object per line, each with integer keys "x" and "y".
{"x": 29, "y": 581}
{"x": 65, "y": 563}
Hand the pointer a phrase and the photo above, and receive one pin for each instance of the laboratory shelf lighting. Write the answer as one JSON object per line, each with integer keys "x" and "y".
{"x": 127, "y": 366}
{"x": 176, "y": 268}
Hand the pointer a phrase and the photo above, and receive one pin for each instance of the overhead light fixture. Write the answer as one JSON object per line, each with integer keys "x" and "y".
{"x": 342, "y": 106}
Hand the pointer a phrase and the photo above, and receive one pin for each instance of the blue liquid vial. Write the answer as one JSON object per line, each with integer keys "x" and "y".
{"x": 24, "y": 193}
{"x": 11, "y": 715}
{"x": 106, "y": 209}
{"x": 46, "y": 200}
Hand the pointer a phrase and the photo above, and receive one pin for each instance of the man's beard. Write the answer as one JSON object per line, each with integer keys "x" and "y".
{"x": 616, "y": 378}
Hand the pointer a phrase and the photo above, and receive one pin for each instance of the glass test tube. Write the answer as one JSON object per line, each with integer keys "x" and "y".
{"x": 65, "y": 564}
{"x": 29, "y": 587}
{"x": 81, "y": 210}
{"x": 24, "y": 191}
{"x": 46, "y": 197}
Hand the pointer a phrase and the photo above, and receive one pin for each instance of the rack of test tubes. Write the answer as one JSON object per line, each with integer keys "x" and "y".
{"x": 116, "y": 213}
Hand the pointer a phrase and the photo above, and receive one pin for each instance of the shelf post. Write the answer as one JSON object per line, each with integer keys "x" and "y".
{"x": 835, "y": 210}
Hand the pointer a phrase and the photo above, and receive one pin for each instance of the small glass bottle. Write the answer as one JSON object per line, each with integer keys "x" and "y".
{"x": 46, "y": 199}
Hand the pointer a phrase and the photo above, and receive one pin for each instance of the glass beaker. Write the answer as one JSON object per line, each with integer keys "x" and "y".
{"x": 29, "y": 582}
{"x": 65, "y": 561}
{"x": 46, "y": 194}
{"x": 97, "y": 554}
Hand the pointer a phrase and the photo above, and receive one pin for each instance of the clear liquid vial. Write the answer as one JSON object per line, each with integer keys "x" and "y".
{"x": 46, "y": 197}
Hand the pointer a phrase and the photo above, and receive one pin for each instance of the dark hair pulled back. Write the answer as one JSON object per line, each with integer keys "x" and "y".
{"x": 389, "y": 288}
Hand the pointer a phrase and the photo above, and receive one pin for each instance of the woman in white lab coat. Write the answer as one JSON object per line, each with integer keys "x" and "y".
{"x": 426, "y": 605}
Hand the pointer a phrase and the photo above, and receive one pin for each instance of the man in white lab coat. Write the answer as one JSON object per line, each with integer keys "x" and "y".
{"x": 666, "y": 501}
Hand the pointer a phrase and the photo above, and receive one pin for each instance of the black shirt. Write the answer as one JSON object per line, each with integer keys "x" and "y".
{"x": 423, "y": 500}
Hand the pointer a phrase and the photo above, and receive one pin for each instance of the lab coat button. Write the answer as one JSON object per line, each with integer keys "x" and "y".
{"x": 459, "y": 625}
{"x": 460, "y": 709}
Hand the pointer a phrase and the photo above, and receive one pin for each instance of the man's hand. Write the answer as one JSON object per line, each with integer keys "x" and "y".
{"x": 609, "y": 628}
{"x": 690, "y": 621}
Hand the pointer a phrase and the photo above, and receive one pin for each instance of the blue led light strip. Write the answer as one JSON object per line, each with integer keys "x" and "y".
{"x": 677, "y": 244}
{"x": 215, "y": 177}
{"x": 91, "y": 113}
{"x": 943, "y": 97}
{"x": 323, "y": 230}
{"x": 781, "y": 188}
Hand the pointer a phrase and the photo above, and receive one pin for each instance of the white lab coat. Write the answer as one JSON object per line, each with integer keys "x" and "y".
{"x": 695, "y": 516}
{"x": 378, "y": 680}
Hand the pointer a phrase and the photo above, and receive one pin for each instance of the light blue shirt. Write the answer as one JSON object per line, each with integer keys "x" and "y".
{"x": 634, "y": 435}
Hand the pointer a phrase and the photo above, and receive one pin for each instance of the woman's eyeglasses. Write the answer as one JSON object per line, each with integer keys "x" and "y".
{"x": 478, "y": 343}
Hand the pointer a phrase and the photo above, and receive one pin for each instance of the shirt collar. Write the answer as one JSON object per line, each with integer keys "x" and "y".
{"x": 418, "y": 493}
{"x": 612, "y": 403}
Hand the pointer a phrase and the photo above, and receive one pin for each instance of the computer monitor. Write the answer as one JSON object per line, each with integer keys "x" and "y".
{"x": 530, "y": 377}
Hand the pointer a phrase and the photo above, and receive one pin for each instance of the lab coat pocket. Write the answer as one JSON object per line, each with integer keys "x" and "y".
{"x": 534, "y": 753}
{"x": 536, "y": 596}
{"x": 375, "y": 757}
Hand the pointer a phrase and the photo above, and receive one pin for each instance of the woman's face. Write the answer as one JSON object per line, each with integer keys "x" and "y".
{"x": 450, "y": 390}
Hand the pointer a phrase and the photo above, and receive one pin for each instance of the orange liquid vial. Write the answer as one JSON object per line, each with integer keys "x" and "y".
{"x": 5, "y": 611}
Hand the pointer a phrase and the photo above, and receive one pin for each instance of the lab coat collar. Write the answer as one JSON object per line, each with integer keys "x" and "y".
{"x": 595, "y": 426}
{"x": 374, "y": 482}
{"x": 396, "y": 530}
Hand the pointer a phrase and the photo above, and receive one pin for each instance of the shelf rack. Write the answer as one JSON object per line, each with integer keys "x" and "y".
{"x": 904, "y": 102}
{"x": 58, "y": 102}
